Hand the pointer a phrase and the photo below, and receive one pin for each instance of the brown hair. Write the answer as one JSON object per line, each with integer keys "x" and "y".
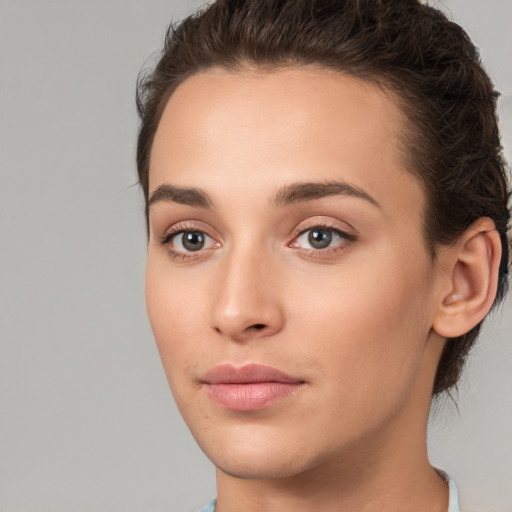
{"x": 452, "y": 137}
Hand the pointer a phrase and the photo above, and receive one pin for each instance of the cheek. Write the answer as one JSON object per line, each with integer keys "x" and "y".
{"x": 380, "y": 295}
{"x": 367, "y": 329}
{"x": 175, "y": 315}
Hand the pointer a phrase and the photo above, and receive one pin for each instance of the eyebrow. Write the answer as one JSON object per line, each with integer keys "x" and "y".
{"x": 181, "y": 195}
{"x": 288, "y": 194}
{"x": 298, "y": 192}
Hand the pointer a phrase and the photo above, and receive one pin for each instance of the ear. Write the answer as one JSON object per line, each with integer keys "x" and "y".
{"x": 469, "y": 279}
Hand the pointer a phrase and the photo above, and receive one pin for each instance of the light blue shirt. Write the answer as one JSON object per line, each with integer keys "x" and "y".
{"x": 210, "y": 506}
{"x": 453, "y": 502}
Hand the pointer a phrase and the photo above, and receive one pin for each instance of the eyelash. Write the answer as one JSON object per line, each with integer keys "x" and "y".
{"x": 348, "y": 240}
{"x": 179, "y": 229}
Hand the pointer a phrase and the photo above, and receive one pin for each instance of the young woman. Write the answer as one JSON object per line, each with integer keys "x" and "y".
{"x": 327, "y": 219}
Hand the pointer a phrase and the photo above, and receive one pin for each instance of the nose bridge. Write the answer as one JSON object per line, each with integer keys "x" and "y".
{"x": 246, "y": 304}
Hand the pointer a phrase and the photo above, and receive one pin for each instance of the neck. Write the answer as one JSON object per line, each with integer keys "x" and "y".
{"x": 349, "y": 483}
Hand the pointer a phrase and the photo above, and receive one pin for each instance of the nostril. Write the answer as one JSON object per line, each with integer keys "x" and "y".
{"x": 258, "y": 326}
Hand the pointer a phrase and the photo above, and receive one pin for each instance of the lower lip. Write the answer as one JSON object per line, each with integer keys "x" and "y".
{"x": 250, "y": 396}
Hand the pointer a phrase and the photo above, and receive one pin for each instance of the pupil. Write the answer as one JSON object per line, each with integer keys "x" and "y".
{"x": 193, "y": 240}
{"x": 320, "y": 238}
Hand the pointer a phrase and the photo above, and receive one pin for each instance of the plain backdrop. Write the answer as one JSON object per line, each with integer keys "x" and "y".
{"x": 87, "y": 421}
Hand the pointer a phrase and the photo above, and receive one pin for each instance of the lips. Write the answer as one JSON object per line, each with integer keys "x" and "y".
{"x": 250, "y": 387}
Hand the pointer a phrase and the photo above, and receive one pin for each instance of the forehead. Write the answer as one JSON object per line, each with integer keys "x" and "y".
{"x": 261, "y": 129}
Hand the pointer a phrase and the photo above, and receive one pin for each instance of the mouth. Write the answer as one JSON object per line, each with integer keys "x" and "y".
{"x": 249, "y": 388}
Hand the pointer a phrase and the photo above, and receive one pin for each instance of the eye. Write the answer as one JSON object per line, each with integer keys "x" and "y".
{"x": 185, "y": 241}
{"x": 189, "y": 241}
{"x": 322, "y": 237}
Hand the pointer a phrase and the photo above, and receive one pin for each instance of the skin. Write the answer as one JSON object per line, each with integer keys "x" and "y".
{"x": 354, "y": 321}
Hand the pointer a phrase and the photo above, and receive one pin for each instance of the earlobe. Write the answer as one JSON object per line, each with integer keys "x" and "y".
{"x": 471, "y": 279}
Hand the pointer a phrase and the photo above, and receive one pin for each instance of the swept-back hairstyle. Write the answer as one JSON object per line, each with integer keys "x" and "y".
{"x": 451, "y": 137}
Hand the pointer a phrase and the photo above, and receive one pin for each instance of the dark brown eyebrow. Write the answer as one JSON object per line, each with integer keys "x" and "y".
{"x": 288, "y": 194}
{"x": 182, "y": 195}
{"x": 297, "y": 192}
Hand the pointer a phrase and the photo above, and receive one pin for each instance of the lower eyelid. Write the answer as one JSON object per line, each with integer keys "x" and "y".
{"x": 328, "y": 252}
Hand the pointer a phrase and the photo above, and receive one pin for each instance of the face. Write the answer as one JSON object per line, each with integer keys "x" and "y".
{"x": 288, "y": 285}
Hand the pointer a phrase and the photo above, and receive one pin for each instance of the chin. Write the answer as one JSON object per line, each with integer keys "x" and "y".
{"x": 259, "y": 457}
{"x": 259, "y": 468}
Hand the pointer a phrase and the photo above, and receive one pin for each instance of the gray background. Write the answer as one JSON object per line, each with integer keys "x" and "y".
{"x": 87, "y": 422}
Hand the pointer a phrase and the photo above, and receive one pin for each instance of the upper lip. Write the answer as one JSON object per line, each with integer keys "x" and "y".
{"x": 249, "y": 373}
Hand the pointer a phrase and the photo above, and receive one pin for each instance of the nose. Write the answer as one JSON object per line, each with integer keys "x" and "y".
{"x": 247, "y": 304}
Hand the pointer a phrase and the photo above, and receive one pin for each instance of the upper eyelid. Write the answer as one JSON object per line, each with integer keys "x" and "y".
{"x": 327, "y": 227}
{"x": 183, "y": 226}
{"x": 343, "y": 228}
{"x": 336, "y": 230}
